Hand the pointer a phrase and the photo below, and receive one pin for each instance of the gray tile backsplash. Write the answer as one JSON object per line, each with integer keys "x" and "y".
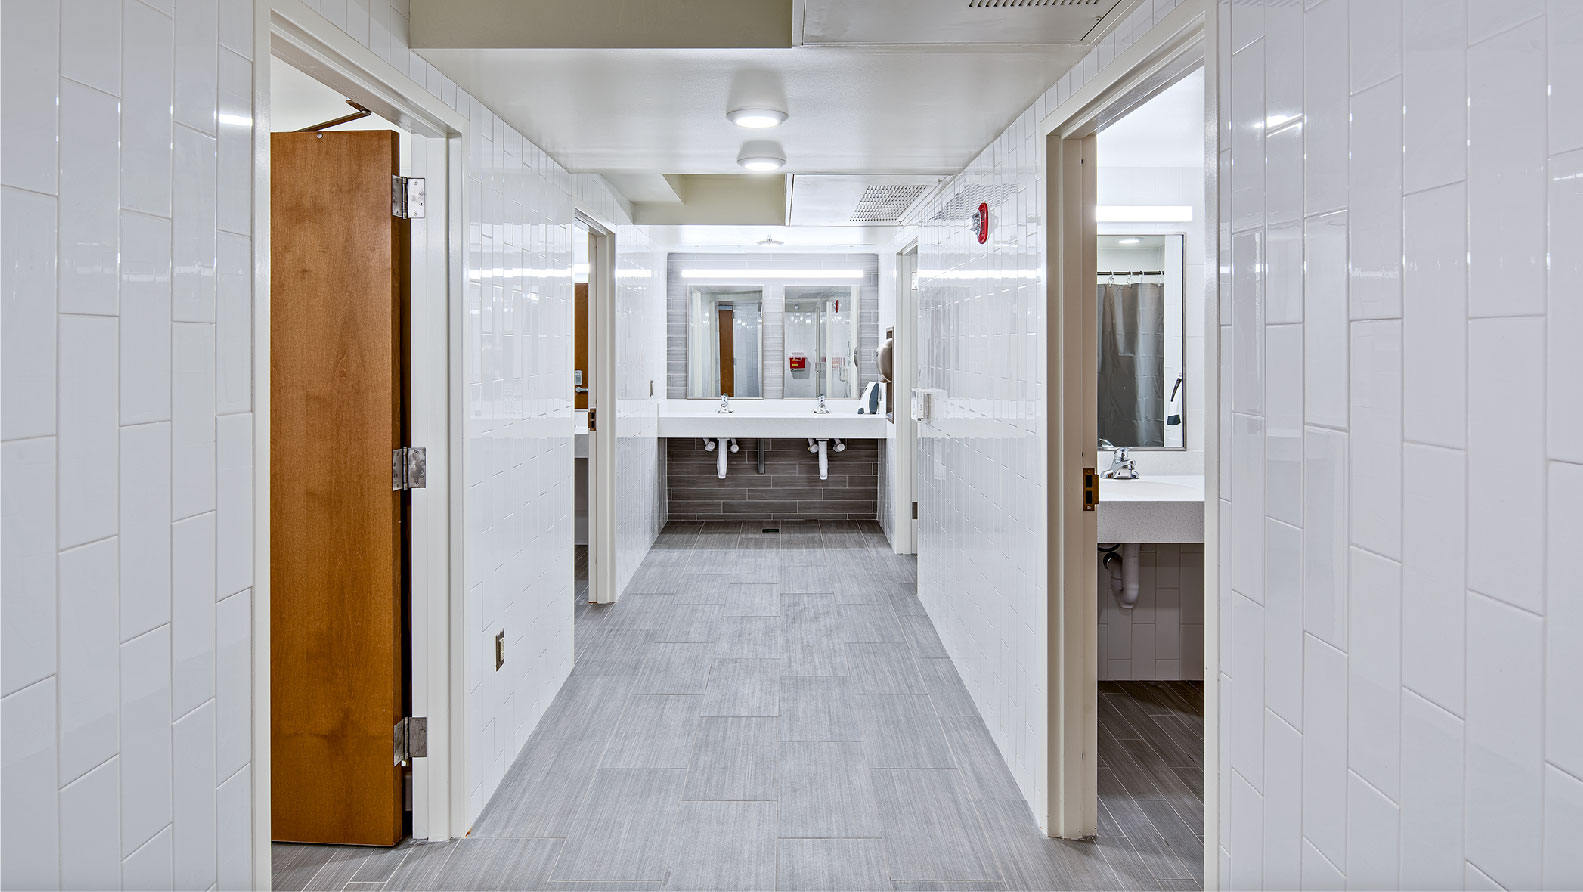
{"x": 789, "y": 488}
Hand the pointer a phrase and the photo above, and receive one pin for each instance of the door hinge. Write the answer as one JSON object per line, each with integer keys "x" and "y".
{"x": 411, "y": 739}
{"x": 409, "y": 468}
{"x": 406, "y": 197}
{"x": 593, "y": 420}
{"x": 1090, "y": 489}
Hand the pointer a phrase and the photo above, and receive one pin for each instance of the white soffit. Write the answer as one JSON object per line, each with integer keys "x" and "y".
{"x": 1166, "y": 131}
{"x": 940, "y": 22}
{"x": 854, "y": 200}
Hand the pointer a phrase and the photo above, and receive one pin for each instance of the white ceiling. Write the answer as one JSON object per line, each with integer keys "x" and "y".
{"x": 876, "y": 22}
{"x": 852, "y": 110}
{"x": 744, "y": 239}
{"x": 297, "y": 101}
{"x": 1166, "y": 131}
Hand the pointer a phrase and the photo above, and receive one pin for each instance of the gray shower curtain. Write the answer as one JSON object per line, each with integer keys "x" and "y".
{"x": 1132, "y": 364}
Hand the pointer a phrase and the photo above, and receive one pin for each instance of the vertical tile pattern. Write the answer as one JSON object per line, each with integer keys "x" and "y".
{"x": 1437, "y": 468}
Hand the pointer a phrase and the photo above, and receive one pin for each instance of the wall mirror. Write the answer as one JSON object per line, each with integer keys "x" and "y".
{"x": 1141, "y": 388}
{"x": 821, "y": 342}
{"x": 725, "y": 341}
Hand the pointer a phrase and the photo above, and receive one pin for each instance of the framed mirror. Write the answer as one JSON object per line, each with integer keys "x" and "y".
{"x": 725, "y": 342}
{"x": 1142, "y": 390}
{"x": 821, "y": 342}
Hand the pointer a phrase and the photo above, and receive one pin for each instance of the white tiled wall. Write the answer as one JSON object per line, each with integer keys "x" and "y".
{"x": 981, "y": 330}
{"x": 1400, "y": 618}
{"x": 640, "y": 385}
{"x": 1161, "y": 637}
{"x": 127, "y": 443}
{"x": 518, "y": 441}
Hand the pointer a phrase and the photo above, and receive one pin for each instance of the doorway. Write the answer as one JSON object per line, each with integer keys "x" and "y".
{"x": 597, "y": 427}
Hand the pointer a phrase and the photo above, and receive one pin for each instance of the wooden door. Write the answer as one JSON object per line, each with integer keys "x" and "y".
{"x": 338, "y": 344}
{"x": 725, "y": 315}
{"x": 580, "y": 348}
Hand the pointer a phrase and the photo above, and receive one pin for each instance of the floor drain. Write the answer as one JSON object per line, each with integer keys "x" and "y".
{"x": 771, "y": 530}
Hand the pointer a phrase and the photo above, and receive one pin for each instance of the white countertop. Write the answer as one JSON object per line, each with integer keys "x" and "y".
{"x": 1160, "y": 508}
{"x": 769, "y": 418}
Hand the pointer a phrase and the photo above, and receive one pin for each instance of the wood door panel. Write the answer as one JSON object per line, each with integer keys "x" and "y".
{"x": 580, "y": 338}
{"x": 728, "y": 384}
{"x": 337, "y": 613}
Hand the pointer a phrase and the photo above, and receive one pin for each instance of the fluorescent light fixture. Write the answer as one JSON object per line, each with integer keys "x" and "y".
{"x": 745, "y": 274}
{"x": 756, "y": 118}
{"x": 1129, "y": 241}
{"x": 761, "y": 156}
{"x": 1144, "y": 213}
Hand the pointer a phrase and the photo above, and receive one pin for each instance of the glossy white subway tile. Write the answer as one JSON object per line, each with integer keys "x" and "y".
{"x": 1564, "y": 28}
{"x": 1434, "y": 583}
{"x": 1374, "y": 202}
{"x": 1325, "y": 91}
{"x": 1506, "y": 172}
{"x": 192, "y": 614}
{"x": 1283, "y": 400}
{"x": 145, "y": 319}
{"x": 89, "y": 659}
{"x": 193, "y": 245}
{"x": 148, "y": 60}
{"x": 1374, "y": 42}
{"x": 1564, "y": 621}
{"x": 1563, "y": 422}
{"x": 150, "y": 867}
{"x": 192, "y": 419}
{"x": 30, "y": 847}
{"x": 90, "y": 133}
{"x": 1486, "y": 19}
{"x": 145, "y": 752}
{"x": 1563, "y": 864}
{"x": 87, "y": 436}
{"x": 1325, "y": 535}
{"x": 1375, "y": 438}
{"x": 29, "y": 95}
{"x": 233, "y": 719}
{"x": 27, "y": 311}
{"x": 89, "y": 813}
{"x": 1283, "y": 625}
{"x": 1325, "y": 749}
{"x": 1325, "y": 332}
{"x": 1247, "y": 836}
{"x": 1247, "y": 138}
{"x": 1434, "y": 318}
{"x": 233, "y": 816}
{"x": 1431, "y": 805}
{"x": 27, "y": 564}
{"x": 1434, "y": 94}
{"x": 233, "y": 325}
{"x": 1283, "y": 803}
{"x": 90, "y": 45}
{"x": 1506, "y": 466}
{"x": 197, "y": 55}
{"x": 1374, "y": 680}
{"x": 1373, "y": 833}
{"x": 145, "y": 528}
{"x": 194, "y": 831}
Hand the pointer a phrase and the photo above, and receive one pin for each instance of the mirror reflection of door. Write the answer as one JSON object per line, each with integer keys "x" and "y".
{"x": 724, "y": 342}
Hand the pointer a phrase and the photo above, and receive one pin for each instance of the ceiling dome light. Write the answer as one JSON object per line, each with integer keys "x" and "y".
{"x": 756, "y": 118}
{"x": 762, "y": 157}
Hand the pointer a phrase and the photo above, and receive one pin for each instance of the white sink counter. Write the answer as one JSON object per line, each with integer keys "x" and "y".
{"x": 768, "y": 418}
{"x": 1165, "y": 508}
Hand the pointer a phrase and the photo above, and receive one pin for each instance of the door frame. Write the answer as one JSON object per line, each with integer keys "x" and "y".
{"x": 602, "y": 394}
{"x": 289, "y": 30}
{"x": 1183, "y": 40}
{"x": 904, "y": 368}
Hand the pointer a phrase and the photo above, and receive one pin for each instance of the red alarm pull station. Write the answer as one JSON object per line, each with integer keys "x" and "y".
{"x": 797, "y": 362}
{"x": 982, "y": 219}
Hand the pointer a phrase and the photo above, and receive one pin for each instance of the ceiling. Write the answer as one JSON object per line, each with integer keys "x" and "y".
{"x": 297, "y": 101}
{"x": 1166, "y": 131}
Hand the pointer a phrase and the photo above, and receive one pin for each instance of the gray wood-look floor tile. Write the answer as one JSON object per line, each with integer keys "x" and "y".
{"x": 922, "y": 637}
{"x": 832, "y": 865}
{"x": 365, "y": 864}
{"x": 809, "y": 577}
{"x": 945, "y": 688}
{"x": 826, "y": 790}
{"x": 974, "y": 752}
{"x": 1135, "y": 846}
{"x": 752, "y": 599}
{"x": 656, "y": 731}
{"x": 423, "y": 867}
{"x": 498, "y": 864}
{"x": 869, "y": 623}
{"x": 933, "y": 831}
{"x": 884, "y": 668}
{"x": 674, "y": 668}
{"x": 624, "y": 829}
{"x": 609, "y": 886}
{"x": 1028, "y": 859}
{"x": 758, "y": 637}
{"x": 947, "y": 886}
{"x": 729, "y": 846}
{"x": 542, "y": 790}
{"x": 587, "y": 708}
{"x": 293, "y": 865}
{"x": 734, "y": 757}
{"x": 746, "y": 687}
{"x": 817, "y": 708}
{"x": 688, "y": 624}
{"x": 901, "y": 731}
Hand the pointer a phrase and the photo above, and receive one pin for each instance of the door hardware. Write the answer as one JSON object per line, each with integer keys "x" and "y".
{"x": 593, "y": 424}
{"x": 1090, "y": 489}
{"x": 500, "y": 649}
{"x": 409, "y": 468}
{"x": 411, "y": 739}
{"x": 406, "y": 197}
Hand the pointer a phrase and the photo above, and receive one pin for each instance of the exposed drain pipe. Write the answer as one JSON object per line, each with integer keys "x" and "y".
{"x": 820, "y": 447}
{"x": 720, "y": 458}
{"x": 1122, "y": 562}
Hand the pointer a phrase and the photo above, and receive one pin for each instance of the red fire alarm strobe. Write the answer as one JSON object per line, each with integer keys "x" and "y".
{"x": 981, "y": 222}
{"x": 797, "y": 362}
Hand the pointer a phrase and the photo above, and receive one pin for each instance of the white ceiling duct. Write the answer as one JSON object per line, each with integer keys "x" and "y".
{"x": 824, "y": 200}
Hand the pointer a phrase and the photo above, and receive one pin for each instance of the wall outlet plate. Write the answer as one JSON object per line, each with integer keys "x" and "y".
{"x": 500, "y": 649}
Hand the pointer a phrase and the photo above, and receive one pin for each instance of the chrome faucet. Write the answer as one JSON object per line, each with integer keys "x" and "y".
{"x": 725, "y": 406}
{"x": 1121, "y": 467}
{"x": 821, "y": 409}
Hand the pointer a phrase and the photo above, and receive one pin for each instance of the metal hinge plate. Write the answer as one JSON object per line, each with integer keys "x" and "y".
{"x": 410, "y": 739}
{"x": 409, "y": 468}
{"x": 406, "y": 197}
{"x": 1090, "y": 489}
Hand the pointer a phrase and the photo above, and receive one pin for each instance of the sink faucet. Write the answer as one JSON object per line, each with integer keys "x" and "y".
{"x": 725, "y": 406}
{"x": 821, "y": 409}
{"x": 1121, "y": 467}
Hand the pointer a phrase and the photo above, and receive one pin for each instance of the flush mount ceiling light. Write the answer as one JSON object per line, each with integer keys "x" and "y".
{"x": 756, "y": 118}
{"x": 1129, "y": 241}
{"x": 761, "y": 156}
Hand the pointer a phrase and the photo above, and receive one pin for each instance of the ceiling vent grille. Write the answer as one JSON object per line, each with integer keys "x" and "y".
{"x": 886, "y": 203}
{"x": 1022, "y": 4}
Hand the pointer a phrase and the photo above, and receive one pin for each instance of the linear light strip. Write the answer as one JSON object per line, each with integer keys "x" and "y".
{"x": 772, "y": 274}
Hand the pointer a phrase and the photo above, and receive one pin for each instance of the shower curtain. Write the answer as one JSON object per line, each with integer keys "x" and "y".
{"x": 1132, "y": 364}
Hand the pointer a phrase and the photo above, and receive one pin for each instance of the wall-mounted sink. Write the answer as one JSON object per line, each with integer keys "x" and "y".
{"x": 768, "y": 418}
{"x": 1152, "y": 509}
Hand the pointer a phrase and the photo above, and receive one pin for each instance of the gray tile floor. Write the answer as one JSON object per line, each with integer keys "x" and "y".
{"x": 775, "y": 711}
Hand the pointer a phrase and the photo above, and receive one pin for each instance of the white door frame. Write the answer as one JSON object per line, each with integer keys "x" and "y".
{"x": 904, "y": 368}
{"x": 289, "y": 30}
{"x": 602, "y": 407}
{"x": 1185, "y": 38}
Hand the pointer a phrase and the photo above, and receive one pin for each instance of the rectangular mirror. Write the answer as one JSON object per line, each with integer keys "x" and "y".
{"x": 1141, "y": 387}
{"x": 724, "y": 341}
{"x": 821, "y": 342}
